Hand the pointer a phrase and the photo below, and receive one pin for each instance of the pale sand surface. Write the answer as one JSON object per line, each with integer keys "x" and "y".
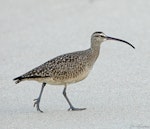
{"x": 117, "y": 91}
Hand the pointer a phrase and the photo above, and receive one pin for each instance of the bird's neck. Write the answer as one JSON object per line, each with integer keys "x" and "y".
{"x": 95, "y": 49}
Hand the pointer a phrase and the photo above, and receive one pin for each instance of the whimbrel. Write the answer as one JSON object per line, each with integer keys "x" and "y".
{"x": 67, "y": 68}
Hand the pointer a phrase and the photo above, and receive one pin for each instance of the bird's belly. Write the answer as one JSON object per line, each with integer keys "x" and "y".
{"x": 63, "y": 81}
{"x": 78, "y": 78}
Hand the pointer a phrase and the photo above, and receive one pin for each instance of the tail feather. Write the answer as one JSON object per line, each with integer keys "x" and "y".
{"x": 18, "y": 79}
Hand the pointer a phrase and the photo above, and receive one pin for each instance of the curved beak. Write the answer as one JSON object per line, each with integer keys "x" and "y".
{"x": 111, "y": 38}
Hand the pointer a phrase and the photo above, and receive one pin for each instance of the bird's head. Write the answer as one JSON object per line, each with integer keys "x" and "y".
{"x": 98, "y": 37}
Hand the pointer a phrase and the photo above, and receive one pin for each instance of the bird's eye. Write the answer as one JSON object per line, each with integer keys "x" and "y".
{"x": 97, "y": 36}
{"x": 102, "y": 36}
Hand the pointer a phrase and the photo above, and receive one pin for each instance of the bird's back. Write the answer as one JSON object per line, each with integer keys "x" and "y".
{"x": 67, "y": 68}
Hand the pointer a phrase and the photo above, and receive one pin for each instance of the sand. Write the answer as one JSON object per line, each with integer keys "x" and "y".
{"x": 117, "y": 91}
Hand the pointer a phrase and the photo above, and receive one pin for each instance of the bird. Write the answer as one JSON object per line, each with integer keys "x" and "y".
{"x": 67, "y": 68}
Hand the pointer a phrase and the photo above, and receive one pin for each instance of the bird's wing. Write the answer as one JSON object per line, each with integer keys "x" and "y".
{"x": 60, "y": 66}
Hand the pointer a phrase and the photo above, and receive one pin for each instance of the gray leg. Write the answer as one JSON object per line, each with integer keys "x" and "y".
{"x": 37, "y": 101}
{"x": 71, "y": 106}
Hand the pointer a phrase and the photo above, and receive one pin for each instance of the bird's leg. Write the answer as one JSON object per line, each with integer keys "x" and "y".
{"x": 37, "y": 101}
{"x": 71, "y": 106}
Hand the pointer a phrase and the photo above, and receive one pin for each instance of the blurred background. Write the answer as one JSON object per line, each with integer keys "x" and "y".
{"x": 117, "y": 92}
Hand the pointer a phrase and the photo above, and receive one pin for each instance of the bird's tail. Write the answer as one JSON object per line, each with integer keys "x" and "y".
{"x": 18, "y": 79}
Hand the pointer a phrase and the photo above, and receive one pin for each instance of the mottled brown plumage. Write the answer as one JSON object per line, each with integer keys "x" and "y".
{"x": 64, "y": 69}
{"x": 67, "y": 68}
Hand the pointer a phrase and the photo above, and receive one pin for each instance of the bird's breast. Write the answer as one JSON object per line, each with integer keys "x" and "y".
{"x": 66, "y": 77}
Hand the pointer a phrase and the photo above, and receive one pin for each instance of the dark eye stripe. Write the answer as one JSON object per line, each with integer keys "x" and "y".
{"x": 96, "y": 35}
{"x": 102, "y": 36}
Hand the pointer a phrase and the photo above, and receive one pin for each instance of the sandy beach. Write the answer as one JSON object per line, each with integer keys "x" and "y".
{"x": 117, "y": 91}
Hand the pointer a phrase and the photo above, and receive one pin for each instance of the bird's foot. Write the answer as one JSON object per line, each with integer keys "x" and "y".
{"x": 36, "y": 104}
{"x": 76, "y": 109}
